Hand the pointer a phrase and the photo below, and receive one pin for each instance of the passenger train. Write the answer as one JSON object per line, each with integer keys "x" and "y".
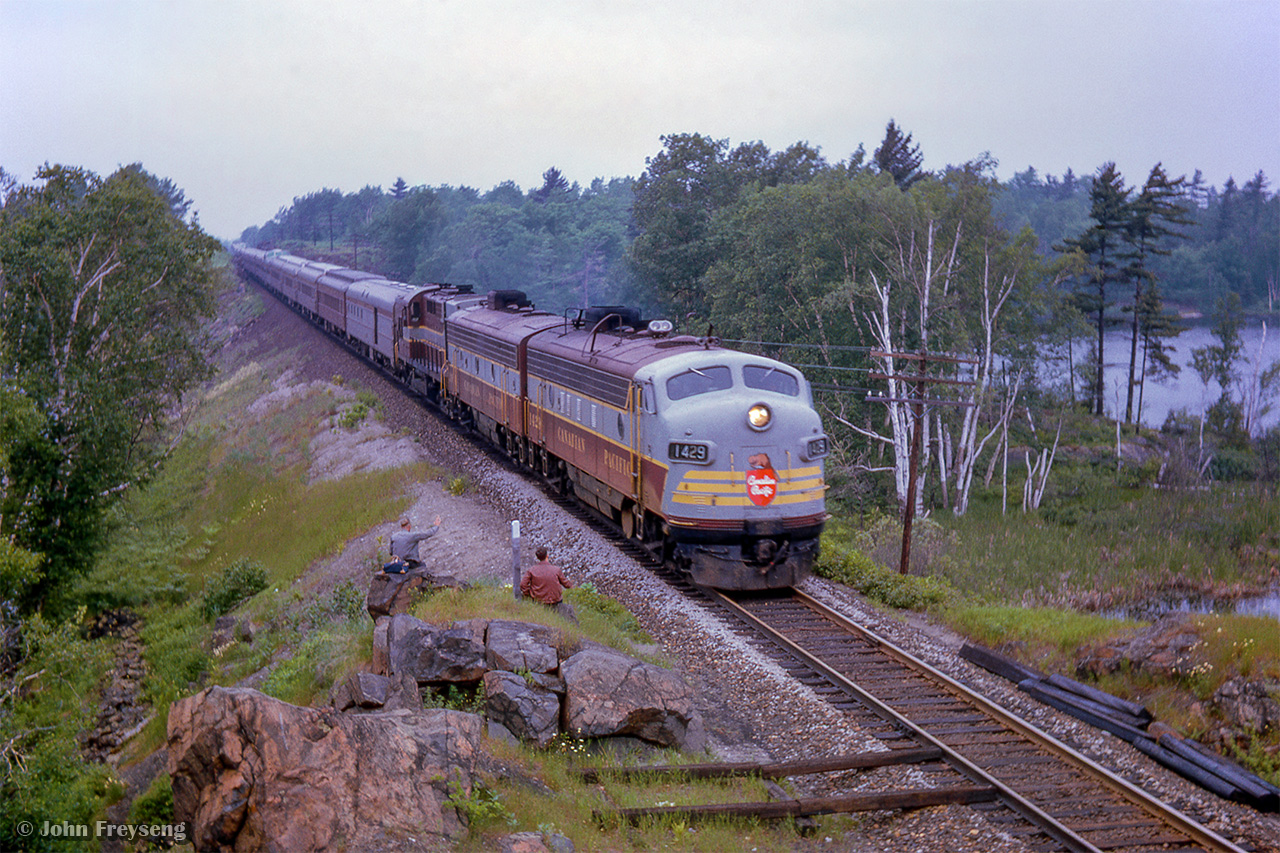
{"x": 710, "y": 457}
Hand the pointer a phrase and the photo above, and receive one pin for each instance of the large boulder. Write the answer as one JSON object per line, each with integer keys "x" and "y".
{"x": 608, "y": 693}
{"x": 360, "y": 690}
{"x": 1251, "y": 707}
{"x": 528, "y": 711}
{"x": 436, "y": 655}
{"x": 381, "y": 664}
{"x": 393, "y": 593}
{"x": 1164, "y": 648}
{"x": 253, "y": 773}
{"x": 516, "y": 646}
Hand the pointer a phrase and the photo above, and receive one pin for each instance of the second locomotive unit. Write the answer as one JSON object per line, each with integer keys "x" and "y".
{"x": 710, "y": 456}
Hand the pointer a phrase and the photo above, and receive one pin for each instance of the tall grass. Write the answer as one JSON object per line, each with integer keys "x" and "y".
{"x": 286, "y": 524}
{"x": 47, "y": 706}
{"x": 1115, "y": 545}
{"x": 1051, "y": 635}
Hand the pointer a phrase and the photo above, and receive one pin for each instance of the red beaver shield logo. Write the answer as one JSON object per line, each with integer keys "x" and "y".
{"x": 762, "y": 482}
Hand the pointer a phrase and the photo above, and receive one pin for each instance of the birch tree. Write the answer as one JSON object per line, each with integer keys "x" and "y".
{"x": 104, "y": 287}
{"x": 921, "y": 263}
{"x": 994, "y": 295}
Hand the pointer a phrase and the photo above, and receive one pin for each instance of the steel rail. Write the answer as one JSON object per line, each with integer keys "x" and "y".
{"x": 1030, "y": 812}
{"x": 1156, "y": 808}
{"x": 1026, "y": 809}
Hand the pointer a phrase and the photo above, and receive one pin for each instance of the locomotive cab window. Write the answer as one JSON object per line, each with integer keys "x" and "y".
{"x": 699, "y": 380}
{"x": 771, "y": 379}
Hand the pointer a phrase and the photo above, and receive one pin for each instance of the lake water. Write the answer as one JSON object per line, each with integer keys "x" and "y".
{"x": 1267, "y": 604}
{"x": 1185, "y": 391}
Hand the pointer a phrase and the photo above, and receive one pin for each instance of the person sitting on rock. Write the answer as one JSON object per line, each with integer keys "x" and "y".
{"x": 543, "y": 581}
{"x": 404, "y": 542}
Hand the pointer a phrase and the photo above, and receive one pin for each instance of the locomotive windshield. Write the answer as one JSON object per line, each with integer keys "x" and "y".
{"x": 771, "y": 379}
{"x": 699, "y": 380}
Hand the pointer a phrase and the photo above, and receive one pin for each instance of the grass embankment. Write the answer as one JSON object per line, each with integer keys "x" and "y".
{"x": 236, "y": 490}
{"x": 231, "y": 516}
{"x": 1042, "y": 586}
{"x": 228, "y": 526}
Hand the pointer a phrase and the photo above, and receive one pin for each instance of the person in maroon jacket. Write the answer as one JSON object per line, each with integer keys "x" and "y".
{"x": 543, "y": 581}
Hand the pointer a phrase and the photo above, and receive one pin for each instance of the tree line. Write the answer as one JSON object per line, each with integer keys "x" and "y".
{"x": 821, "y": 263}
{"x": 563, "y": 244}
{"x": 850, "y": 269}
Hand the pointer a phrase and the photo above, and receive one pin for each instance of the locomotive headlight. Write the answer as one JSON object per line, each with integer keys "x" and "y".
{"x": 759, "y": 416}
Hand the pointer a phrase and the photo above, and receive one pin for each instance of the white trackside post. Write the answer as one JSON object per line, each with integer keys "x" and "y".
{"x": 515, "y": 559}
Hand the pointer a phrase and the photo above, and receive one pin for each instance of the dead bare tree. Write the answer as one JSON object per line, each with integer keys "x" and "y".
{"x": 1038, "y": 474}
{"x": 918, "y": 259}
{"x": 968, "y": 445}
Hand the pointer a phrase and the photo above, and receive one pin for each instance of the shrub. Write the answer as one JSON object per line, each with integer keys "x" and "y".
{"x": 457, "y": 698}
{"x": 480, "y": 806}
{"x": 155, "y": 806}
{"x": 848, "y": 565}
{"x": 175, "y": 653}
{"x": 318, "y": 661}
{"x": 45, "y": 704}
{"x": 237, "y": 582}
{"x": 1229, "y": 465}
{"x": 344, "y": 603}
{"x": 354, "y": 416}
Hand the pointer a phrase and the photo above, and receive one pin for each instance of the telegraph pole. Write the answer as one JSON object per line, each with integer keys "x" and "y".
{"x": 918, "y": 403}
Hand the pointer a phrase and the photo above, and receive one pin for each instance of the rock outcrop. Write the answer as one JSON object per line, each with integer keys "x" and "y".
{"x": 529, "y": 691}
{"x": 1162, "y": 649}
{"x": 610, "y": 694}
{"x": 1249, "y": 706}
{"x": 527, "y": 710}
{"x": 360, "y": 690}
{"x": 435, "y": 655}
{"x": 391, "y": 594}
{"x": 253, "y": 773}
{"x": 516, "y": 646}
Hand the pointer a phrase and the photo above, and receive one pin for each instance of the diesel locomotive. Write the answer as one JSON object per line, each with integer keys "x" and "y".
{"x": 710, "y": 457}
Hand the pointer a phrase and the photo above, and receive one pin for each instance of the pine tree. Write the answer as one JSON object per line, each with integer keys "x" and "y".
{"x": 1154, "y": 218}
{"x": 1101, "y": 247}
{"x": 555, "y": 187}
{"x": 1155, "y": 326}
{"x": 897, "y": 156}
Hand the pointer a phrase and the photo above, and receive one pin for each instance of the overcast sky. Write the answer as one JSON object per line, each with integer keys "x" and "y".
{"x": 248, "y": 104}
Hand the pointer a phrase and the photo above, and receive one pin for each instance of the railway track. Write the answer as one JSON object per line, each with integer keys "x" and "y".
{"x": 1052, "y": 796}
